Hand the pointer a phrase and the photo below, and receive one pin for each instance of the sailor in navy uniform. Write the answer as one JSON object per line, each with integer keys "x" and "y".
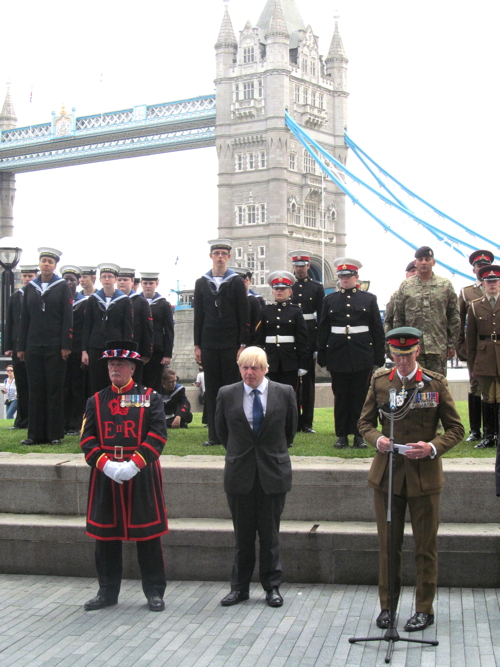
{"x": 163, "y": 330}
{"x": 45, "y": 340}
{"x": 74, "y": 385}
{"x": 143, "y": 320}
{"x": 108, "y": 316}
{"x": 254, "y": 302}
{"x": 308, "y": 294}
{"x": 221, "y": 327}
{"x": 13, "y": 321}
{"x": 282, "y": 332}
{"x": 350, "y": 343}
{"x": 177, "y": 407}
{"x": 123, "y": 435}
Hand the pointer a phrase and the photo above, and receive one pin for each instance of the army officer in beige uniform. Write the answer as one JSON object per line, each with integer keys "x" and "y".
{"x": 422, "y": 400}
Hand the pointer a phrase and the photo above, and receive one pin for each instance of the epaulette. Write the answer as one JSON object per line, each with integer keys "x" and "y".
{"x": 381, "y": 371}
{"x": 295, "y": 305}
{"x": 429, "y": 375}
{"x": 479, "y": 298}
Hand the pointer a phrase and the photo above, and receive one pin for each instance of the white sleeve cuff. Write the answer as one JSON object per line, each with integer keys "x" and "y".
{"x": 434, "y": 451}
{"x": 376, "y": 445}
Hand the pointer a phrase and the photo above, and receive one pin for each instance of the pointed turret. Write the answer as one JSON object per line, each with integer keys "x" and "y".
{"x": 226, "y": 37}
{"x": 8, "y": 118}
{"x": 336, "y": 54}
{"x": 277, "y": 24}
{"x": 291, "y": 15}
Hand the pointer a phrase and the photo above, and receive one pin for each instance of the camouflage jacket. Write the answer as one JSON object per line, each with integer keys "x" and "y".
{"x": 432, "y": 307}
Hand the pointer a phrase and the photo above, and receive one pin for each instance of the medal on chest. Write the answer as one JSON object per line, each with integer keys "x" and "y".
{"x": 135, "y": 401}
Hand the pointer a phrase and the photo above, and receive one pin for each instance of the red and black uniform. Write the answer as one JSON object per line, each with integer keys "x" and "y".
{"x": 114, "y": 430}
{"x": 163, "y": 341}
{"x": 46, "y": 329}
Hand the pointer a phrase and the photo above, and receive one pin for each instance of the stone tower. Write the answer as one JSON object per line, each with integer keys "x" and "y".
{"x": 8, "y": 121}
{"x": 272, "y": 198}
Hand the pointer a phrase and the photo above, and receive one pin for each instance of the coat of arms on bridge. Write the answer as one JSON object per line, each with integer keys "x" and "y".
{"x": 63, "y": 123}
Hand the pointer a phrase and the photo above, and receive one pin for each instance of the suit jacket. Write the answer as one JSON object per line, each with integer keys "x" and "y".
{"x": 266, "y": 452}
{"x": 423, "y": 477}
{"x": 483, "y": 356}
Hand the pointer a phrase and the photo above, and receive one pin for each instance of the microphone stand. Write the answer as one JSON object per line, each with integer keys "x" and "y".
{"x": 391, "y": 635}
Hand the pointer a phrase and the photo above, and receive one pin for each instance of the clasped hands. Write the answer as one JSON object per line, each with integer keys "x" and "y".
{"x": 121, "y": 471}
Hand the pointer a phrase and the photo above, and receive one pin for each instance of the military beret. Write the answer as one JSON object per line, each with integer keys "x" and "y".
{"x": 424, "y": 251}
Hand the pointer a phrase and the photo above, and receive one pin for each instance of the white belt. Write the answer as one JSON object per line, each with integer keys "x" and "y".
{"x": 349, "y": 330}
{"x": 280, "y": 339}
{"x": 310, "y": 316}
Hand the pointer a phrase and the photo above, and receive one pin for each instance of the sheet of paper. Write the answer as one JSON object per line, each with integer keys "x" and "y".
{"x": 402, "y": 448}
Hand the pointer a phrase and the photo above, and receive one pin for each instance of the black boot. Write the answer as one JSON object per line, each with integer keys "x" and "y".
{"x": 489, "y": 428}
{"x": 474, "y": 418}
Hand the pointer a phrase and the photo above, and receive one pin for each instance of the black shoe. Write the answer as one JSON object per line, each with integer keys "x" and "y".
{"x": 419, "y": 621}
{"x": 28, "y": 442}
{"x": 99, "y": 602}
{"x": 342, "y": 442}
{"x": 234, "y": 597}
{"x": 12, "y": 428}
{"x": 156, "y": 603}
{"x": 383, "y": 619}
{"x": 56, "y": 442}
{"x": 359, "y": 443}
{"x": 308, "y": 429}
{"x": 72, "y": 431}
{"x": 210, "y": 443}
{"x": 273, "y": 597}
{"x": 473, "y": 437}
{"x": 485, "y": 443}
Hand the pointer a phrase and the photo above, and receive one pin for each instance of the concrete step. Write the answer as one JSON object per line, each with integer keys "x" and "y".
{"x": 324, "y": 489}
{"x": 202, "y": 549}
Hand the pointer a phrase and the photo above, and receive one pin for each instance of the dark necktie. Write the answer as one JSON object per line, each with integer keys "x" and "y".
{"x": 493, "y": 302}
{"x": 257, "y": 411}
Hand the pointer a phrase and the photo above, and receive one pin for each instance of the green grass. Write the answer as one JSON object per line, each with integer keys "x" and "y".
{"x": 186, "y": 442}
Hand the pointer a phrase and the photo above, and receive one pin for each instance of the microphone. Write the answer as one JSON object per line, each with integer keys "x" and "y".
{"x": 392, "y": 399}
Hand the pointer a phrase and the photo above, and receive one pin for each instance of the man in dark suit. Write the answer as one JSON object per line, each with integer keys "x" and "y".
{"x": 350, "y": 344}
{"x": 256, "y": 421}
{"x": 422, "y": 400}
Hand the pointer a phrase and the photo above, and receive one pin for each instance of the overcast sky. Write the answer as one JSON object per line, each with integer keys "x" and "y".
{"x": 423, "y": 102}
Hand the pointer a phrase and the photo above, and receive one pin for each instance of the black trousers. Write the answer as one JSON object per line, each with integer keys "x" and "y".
{"x": 220, "y": 368}
{"x": 46, "y": 368}
{"x": 108, "y": 563}
{"x": 23, "y": 392}
{"x": 256, "y": 513}
{"x": 152, "y": 372}
{"x": 306, "y": 394}
{"x": 349, "y": 391}
{"x": 74, "y": 392}
{"x": 285, "y": 377}
{"x": 98, "y": 371}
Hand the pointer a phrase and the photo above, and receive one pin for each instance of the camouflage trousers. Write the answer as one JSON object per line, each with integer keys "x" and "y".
{"x": 433, "y": 362}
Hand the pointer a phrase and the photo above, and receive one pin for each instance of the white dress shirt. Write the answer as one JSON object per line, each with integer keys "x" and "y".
{"x": 248, "y": 399}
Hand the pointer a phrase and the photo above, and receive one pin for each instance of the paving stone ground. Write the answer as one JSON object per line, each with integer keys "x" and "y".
{"x": 42, "y": 622}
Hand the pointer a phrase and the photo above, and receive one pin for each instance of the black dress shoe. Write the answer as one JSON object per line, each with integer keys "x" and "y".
{"x": 56, "y": 442}
{"x": 234, "y": 597}
{"x": 359, "y": 443}
{"x": 72, "y": 431}
{"x": 12, "y": 428}
{"x": 273, "y": 597}
{"x": 308, "y": 429}
{"x": 99, "y": 602}
{"x": 342, "y": 443}
{"x": 210, "y": 443}
{"x": 486, "y": 442}
{"x": 156, "y": 603}
{"x": 28, "y": 442}
{"x": 383, "y": 619}
{"x": 419, "y": 621}
{"x": 473, "y": 437}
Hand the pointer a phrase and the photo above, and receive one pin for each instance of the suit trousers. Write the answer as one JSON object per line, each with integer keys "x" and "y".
{"x": 306, "y": 394}
{"x": 424, "y": 516}
{"x": 285, "y": 377}
{"x": 220, "y": 368}
{"x": 45, "y": 367}
{"x": 252, "y": 513}
{"x": 98, "y": 371}
{"x": 23, "y": 394}
{"x": 349, "y": 391}
{"x": 152, "y": 373}
{"x": 108, "y": 562}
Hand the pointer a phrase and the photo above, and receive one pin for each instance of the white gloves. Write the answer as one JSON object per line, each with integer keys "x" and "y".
{"x": 120, "y": 472}
{"x": 301, "y": 372}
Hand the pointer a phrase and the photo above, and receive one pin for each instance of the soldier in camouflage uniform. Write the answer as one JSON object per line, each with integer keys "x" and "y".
{"x": 429, "y": 303}
{"x": 410, "y": 271}
{"x": 477, "y": 259}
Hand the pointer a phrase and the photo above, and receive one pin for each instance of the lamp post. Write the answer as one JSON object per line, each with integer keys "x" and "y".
{"x": 10, "y": 254}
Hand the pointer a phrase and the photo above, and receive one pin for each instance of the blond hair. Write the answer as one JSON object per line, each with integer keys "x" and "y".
{"x": 253, "y": 356}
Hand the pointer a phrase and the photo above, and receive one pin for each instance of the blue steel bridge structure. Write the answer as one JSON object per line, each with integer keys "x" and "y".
{"x": 142, "y": 130}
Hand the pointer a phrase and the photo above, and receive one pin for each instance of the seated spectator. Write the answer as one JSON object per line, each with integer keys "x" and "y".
{"x": 177, "y": 407}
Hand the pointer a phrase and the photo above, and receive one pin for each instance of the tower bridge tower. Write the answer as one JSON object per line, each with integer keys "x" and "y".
{"x": 8, "y": 120}
{"x": 272, "y": 197}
